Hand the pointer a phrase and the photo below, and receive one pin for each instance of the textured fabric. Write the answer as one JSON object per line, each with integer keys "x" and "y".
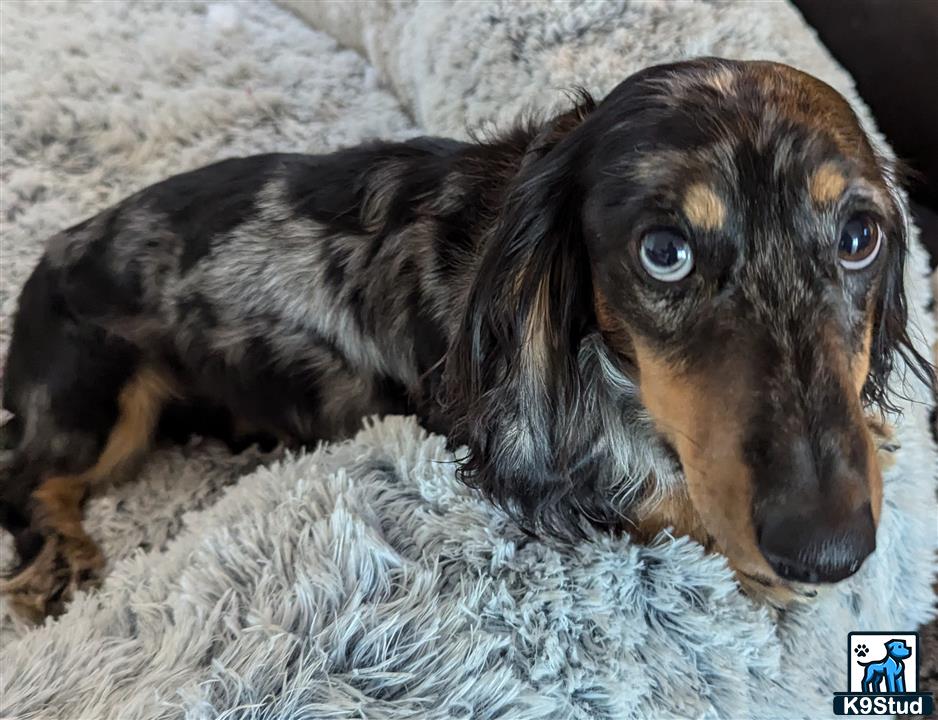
{"x": 363, "y": 580}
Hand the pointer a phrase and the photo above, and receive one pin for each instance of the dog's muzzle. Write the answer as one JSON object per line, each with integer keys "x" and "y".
{"x": 815, "y": 524}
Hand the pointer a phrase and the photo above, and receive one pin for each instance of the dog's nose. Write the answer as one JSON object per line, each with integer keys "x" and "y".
{"x": 808, "y": 547}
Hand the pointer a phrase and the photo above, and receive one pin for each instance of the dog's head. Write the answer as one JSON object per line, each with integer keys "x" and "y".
{"x": 731, "y": 233}
{"x": 898, "y": 649}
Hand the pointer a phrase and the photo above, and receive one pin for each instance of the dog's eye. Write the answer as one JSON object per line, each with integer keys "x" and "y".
{"x": 666, "y": 255}
{"x": 860, "y": 239}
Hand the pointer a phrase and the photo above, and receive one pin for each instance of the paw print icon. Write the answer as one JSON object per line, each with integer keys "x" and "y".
{"x": 861, "y": 650}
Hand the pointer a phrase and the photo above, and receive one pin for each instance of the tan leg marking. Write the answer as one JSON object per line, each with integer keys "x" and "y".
{"x": 140, "y": 403}
{"x": 70, "y": 559}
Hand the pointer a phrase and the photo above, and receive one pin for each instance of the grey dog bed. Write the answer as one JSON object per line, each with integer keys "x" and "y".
{"x": 362, "y": 580}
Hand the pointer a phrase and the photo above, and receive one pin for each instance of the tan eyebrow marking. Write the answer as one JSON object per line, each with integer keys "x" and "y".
{"x": 827, "y": 184}
{"x": 703, "y": 207}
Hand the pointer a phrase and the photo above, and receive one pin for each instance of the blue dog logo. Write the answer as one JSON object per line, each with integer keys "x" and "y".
{"x": 890, "y": 671}
{"x": 882, "y": 676}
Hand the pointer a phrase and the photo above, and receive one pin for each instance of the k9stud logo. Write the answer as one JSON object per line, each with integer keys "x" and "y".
{"x": 882, "y": 676}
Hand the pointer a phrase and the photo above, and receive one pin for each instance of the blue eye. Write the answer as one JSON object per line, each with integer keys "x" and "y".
{"x": 666, "y": 255}
{"x": 859, "y": 243}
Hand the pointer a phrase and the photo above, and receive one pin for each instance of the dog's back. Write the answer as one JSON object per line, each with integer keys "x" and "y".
{"x": 289, "y": 290}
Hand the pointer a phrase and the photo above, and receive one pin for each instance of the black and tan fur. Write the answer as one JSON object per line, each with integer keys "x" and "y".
{"x": 493, "y": 288}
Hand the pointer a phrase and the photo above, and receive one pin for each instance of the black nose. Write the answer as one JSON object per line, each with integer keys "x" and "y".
{"x": 817, "y": 546}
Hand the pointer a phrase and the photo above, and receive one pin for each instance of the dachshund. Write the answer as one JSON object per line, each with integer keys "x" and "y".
{"x": 678, "y": 308}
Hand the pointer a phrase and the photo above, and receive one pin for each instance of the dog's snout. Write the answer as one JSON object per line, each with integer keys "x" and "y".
{"x": 815, "y": 501}
{"x": 815, "y": 545}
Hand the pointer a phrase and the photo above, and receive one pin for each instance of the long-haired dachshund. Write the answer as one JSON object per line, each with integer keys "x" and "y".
{"x": 672, "y": 308}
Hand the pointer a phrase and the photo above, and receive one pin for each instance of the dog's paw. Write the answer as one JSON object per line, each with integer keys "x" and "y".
{"x": 861, "y": 650}
{"x": 44, "y": 587}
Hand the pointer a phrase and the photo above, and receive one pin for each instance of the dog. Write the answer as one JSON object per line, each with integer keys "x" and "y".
{"x": 678, "y": 308}
{"x": 890, "y": 668}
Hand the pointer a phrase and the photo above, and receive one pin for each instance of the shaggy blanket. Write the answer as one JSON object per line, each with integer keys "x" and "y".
{"x": 362, "y": 580}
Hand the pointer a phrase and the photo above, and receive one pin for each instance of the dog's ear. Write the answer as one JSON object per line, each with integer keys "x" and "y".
{"x": 891, "y": 338}
{"x": 511, "y": 373}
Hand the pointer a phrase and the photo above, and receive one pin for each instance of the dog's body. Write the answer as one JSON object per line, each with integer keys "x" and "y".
{"x": 890, "y": 670}
{"x": 299, "y": 293}
{"x": 281, "y": 287}
{"x": 460, "y": 281}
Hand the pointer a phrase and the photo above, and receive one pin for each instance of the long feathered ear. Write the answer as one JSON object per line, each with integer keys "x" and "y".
{"x": 891, "y": 332}
{"x": 511, "y": 373}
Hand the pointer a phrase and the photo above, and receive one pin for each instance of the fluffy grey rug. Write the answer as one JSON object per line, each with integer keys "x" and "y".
{"x": 362, "y": 580}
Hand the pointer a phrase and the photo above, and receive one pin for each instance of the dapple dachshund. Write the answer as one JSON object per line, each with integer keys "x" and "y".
{"x": 677, "y": 307}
